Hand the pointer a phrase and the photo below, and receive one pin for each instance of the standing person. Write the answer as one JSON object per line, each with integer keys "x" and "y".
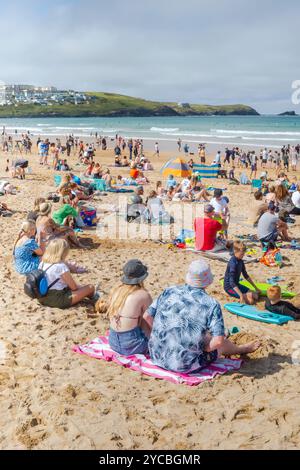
{"x": 285, "y": 158}
{"x": 217, "y": 159}
{"x": 294, "y": 158}
{"x": 227, "y": 156}
{"x": 188, "y": 330}
{"x": 130, "y": 148}
{"x": 179, "y": 142}
{"x": 253, "y": 159}
{"x": 202, "y": 154}
{"x": 54, "y": 152}
{"x": 156, "y": 149}
{"x": 186, "y": 149}
{"x": 264, "y": 158}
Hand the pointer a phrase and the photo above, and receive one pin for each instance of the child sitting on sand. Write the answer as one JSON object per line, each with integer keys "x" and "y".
{"x": 275, "y": 305}
{"x": 128, "y": 302}
{"x": 63, "y": 290}
{"x": 26, "y": 251}
{"x": 236, "y": 268}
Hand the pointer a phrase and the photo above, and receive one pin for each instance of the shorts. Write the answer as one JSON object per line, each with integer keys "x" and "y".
{"x": 254, "y": 167}
{"x": 57, "y": 298}
{"x": 205, "y": 359}
{"x": 272, "y": 237}
{"x": 232, "y": 292}
{"x": 129, "y": 342}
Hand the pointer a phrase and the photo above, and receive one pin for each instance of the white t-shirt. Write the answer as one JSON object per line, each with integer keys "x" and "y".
{"x": 185, "y": 184}
{"x": 296, "y": 199}
{"x": 219, "y": 206}
{"x": 55, "y": 272}
{"x": 217, "y": 158}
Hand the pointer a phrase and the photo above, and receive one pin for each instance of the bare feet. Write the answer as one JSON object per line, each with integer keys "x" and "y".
{"x": 249, "y": 347}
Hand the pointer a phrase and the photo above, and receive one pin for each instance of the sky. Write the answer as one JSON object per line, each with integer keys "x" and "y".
{"x": 196, "y": 51}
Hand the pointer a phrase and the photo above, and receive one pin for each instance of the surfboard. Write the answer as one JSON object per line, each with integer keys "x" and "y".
{"x": 252, "y": 313}
{"x": 264, "y": 287}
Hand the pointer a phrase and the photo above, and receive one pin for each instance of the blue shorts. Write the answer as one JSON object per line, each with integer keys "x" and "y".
{"x": 128, "y": 342}
{"x": 232, "y": 292}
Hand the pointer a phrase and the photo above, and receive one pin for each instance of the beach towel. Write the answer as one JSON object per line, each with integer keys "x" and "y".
{"x": 100, "y": 349}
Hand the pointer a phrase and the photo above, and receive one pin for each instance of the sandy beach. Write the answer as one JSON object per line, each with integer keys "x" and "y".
{"x": 52, "y": 398}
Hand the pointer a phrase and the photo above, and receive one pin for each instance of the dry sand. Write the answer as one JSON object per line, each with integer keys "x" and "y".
{"x": 51, "y": 398}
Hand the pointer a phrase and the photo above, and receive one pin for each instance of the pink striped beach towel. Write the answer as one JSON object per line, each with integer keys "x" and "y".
{"x": 100, "y": 349}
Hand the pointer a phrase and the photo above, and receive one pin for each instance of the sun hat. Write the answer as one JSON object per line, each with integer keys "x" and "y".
{"x": 208, "y": 209}
{"x": 134, "y": 272}
{"x": 199, "y": 274}
{"x": 45, "y": 208}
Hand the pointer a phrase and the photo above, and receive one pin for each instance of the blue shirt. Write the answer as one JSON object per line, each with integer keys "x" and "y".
{"x": 235, "y": 268}
{"x": 182, "y": 317}
{"x": 25, "y": 260}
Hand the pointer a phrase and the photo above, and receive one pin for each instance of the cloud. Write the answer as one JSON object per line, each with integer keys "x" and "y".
{"x": 206, "y": 51}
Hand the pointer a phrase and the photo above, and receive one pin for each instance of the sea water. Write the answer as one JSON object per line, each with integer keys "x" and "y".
{"x": 241, "y": 131}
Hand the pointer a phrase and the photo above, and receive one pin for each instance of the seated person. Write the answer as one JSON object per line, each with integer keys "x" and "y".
{"x": 26, "y": 250}
{"x": 156, "y": 211}
{"x": 63, "y": 290}
{"x": 274, "y": 304}
{"x": 125, "y": 161}
{"x": 89, "y": 170}
{"x": 236, "y": 268}
{"x": 270, "y": 227}
{"x": 118, "y": 161}
{"x": 136, "y": 206}
{"x": 270, "y": 196}
{"x": 107, "y": 178}
{"x": 232, "y": 177}
{"x": 33, "y": 215}
{"x": 197, "y": 190}
{"x": 187, "y": 325}
{"x": 171, "y": 183}
{"x": 296, "y": 201}
{"x": 257, "y": 209}
{"x": 96, "y": 171}
{"x": 128, "y": 333}
{"x": 134, "y": 172}
{"x": 147, "y": 165}
{"x": 220, "y": 204}
{"x": 206, "y": 229}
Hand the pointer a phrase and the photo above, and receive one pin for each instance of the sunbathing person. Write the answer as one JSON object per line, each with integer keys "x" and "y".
{"x": 26, "y": 251}
{"x": 97, "y": 171}
{"x": 236, "y": 268}
{"x": 48, "y": 230}
{"x": 136, "y": 206}
{"x": 197, "y": 190}
{"x": 128, "y": 302}
{"x": 156, "y": 212}
{"x": 67, "y": 186}
{"x": 63, "y": 290}
{"x": 187, "y": 325}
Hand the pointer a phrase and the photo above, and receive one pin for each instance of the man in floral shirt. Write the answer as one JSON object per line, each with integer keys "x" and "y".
{"x": 187, "y": 325}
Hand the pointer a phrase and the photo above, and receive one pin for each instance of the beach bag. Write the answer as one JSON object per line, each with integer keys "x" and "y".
{"x": 36, "y": 284}
{"x": 89, "y": 216}
{"x": 272, "y": 258}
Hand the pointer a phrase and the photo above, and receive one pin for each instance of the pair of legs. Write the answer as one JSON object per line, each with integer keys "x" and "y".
{"x": 82, "y": 293}
{"x": 231, "y": 349}
{"x": 249, "y": 298}
{"x": 203, "y": 194}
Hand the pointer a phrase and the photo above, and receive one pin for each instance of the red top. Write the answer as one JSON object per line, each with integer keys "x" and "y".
{"x": 205, "y": 232}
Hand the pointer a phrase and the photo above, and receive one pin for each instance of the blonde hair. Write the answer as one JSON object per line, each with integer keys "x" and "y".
{"x": 25, "y": 229}
{"x": 37, "y": 202}
{"x": 274, "y": 293}
{"x": 118, "y": 297}
{"x": 56, "y": 251}
{"x": 239, "y": 246}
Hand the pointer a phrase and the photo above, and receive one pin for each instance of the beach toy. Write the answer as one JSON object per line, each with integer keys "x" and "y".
{"x": 263, "y": 287}
{"x": 252, "y": 313}
{"x": 89, "y": 216}
{"x": 274, "y": 280}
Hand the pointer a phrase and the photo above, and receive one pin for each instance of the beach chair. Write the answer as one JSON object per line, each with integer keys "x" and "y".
{"x": 256, "y": 184}
{"x": 57, "y": 180}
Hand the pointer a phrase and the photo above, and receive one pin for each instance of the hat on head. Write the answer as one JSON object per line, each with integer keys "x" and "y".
{"x": 134, "y": 272}
{"x": 45, "y": 208}
{"x": 199, "y": 274}
{"x": 208, "y": 209}
{"x": 140, "y": 188}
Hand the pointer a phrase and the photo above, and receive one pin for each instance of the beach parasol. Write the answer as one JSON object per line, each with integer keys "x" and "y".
{"x": 176, "y": 167}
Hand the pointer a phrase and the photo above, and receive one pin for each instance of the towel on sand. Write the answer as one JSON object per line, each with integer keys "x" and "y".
{"x": 100, "y": 349}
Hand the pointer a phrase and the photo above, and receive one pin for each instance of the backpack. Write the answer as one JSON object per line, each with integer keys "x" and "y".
{"x": 36, "y": 284}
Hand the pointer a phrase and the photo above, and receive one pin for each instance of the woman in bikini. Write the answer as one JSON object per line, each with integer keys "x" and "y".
{"x": 128, "y": 302}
